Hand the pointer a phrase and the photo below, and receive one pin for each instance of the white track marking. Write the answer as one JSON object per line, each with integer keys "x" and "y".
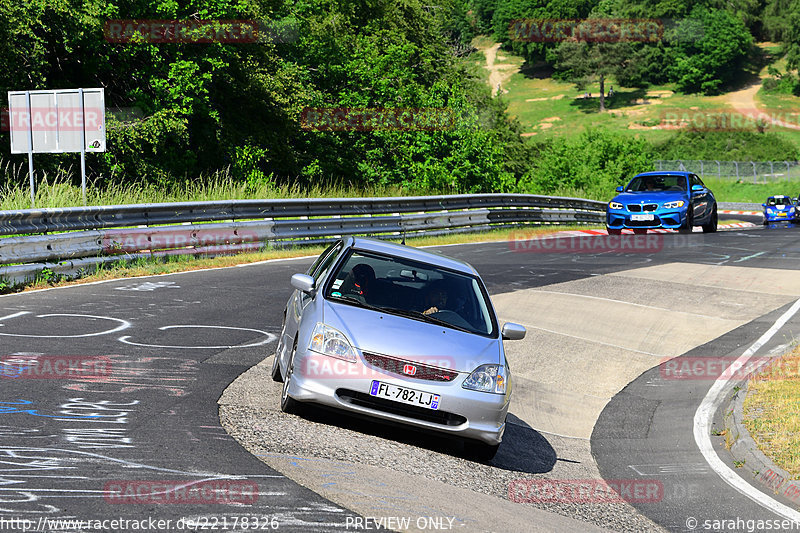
{"x": 15, "y": 315}
{"x": 124, "y": 324}
{"x": 702, "y": 428}
{"x": 269, "y": 338}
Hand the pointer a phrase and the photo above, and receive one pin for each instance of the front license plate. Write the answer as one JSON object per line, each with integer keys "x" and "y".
{"x": 404, "y": 395}
{"x": 643, "y": 217}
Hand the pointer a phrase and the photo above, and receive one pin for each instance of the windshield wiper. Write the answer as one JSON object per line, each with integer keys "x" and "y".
{"x": 422, "y": 316}
{"x": 354, "y": 300}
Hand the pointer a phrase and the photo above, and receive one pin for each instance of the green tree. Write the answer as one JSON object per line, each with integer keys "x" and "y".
{"x": 713, "y": 60}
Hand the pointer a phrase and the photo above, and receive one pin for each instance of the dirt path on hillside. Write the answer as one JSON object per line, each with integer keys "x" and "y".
{"x": 744, "y": 102}
{"x": 497, "y": 73}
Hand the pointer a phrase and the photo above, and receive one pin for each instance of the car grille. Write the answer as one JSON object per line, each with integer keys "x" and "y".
{"x": 395, "y": 366}
{"x": 638, "y": 208}
{"x": 396, "y": 408}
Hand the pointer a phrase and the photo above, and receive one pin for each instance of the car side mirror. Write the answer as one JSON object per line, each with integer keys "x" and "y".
{"x": 619, "y": 189}
{"x": 304, "y": 282}
{"x": 513, "y": 332}
{"x": 763, "y": 205}
{"x": 697, "y": 188}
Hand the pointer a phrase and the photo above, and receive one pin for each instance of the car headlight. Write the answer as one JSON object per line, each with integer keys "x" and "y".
{"x": 770, "y": 211}
{"x": 487, "y": 378}
{"x": 614, "y": 205}
{"x": 791, "y": 209}
{"x": 330, "y": 341}
{"x": 674, "y": 205}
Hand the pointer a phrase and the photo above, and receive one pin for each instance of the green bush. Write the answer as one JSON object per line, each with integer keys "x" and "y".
{"x": 727, "y": 146}
{"x": 591, "y": 164}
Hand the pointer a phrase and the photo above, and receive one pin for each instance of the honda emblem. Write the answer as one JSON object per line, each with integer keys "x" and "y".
{"x": 409, "y": 370}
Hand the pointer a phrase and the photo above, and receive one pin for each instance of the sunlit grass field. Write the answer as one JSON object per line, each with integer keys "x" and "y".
{"x": 771, "y": 412}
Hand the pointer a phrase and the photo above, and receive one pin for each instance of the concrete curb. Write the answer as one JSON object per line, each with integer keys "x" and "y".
{"x": 739, "y": 206}
{"x": 758, "y": 466}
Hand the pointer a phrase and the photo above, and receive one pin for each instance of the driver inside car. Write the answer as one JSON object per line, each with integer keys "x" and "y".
{"x": 435, "y": 299}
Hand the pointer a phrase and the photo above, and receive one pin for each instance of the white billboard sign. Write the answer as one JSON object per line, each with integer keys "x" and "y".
{"x": 57, "y": 121}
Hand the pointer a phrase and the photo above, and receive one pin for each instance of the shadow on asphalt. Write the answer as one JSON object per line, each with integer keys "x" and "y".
{"x": 523, "y": 449}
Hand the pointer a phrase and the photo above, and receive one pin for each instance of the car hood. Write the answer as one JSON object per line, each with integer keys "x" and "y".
{"x": 409, "y": 339}
{"x": 649, "y": 197}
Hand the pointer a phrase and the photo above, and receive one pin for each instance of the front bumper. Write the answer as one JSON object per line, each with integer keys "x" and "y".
{"x": 780, "y": 216}
{"x": 662, "y": 218}
{"x": 343, "y": 385}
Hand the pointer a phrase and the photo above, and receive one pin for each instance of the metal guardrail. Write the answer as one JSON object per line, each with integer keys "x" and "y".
{"x": 73, "y": 240}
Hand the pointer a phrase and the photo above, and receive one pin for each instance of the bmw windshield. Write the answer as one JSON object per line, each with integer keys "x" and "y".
{"x": 418, "y": 291}
{"x": 657, "y": 183}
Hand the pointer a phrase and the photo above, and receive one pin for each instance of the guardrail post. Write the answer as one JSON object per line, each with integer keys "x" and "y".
{"x": 719, "y": 171}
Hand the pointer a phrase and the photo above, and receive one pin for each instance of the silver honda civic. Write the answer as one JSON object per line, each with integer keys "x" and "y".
{"x": 398, "y": 334}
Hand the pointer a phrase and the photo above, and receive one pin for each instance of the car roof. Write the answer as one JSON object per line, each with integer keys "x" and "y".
{"x": 778, "y": 196}
{"x": 663, "y": 173}
{"x": 409, "y": 252}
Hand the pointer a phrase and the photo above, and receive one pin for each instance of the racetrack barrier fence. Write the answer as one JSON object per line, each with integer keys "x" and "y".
{"x": 72, "y": 242}
{"x": 762, "y": 172}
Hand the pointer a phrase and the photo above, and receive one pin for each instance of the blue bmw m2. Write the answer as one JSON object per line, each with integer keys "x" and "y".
{"x": 662, "y": 199}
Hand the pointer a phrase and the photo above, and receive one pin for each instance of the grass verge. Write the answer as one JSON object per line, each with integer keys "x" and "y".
{"x": 771, "y": 413}
{"x": 170, "y": 264}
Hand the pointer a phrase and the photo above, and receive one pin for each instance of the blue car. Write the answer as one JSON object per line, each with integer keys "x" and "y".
{"x": 672, "y": 200}
{"x": 779, "y": 208}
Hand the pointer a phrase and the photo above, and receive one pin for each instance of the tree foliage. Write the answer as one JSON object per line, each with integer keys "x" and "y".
{"x": 193, "y": 108}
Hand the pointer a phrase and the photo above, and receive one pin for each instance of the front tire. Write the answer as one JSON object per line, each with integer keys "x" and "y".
{"x": 640, "y": 231}
{"x": 688, "y": 223}
{"x": 276, "y": 365}
{"x": 288, "y": 404}
{"x": 711, "y": 226}
{"x": 614, "y": 231}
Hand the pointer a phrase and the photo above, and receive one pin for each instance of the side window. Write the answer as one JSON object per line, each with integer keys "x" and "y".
{"x": 696, "y": 181}
{"x": 314, "y": 268}
{"x": 327, "y": 260}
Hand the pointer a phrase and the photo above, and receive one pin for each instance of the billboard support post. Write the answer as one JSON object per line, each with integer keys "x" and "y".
{"x": 83, "y": 148}
{"x": 30, "y": 155}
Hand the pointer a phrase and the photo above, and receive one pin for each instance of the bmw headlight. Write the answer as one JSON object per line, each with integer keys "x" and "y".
{"x": 487, "y": 378}
{"x": 614, "y": 205}
{"x": 674, "y": 205}
{"x": 330, "y": 341}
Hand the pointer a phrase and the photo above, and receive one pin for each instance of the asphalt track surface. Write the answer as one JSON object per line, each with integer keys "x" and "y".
{"x": 173, "y": 343}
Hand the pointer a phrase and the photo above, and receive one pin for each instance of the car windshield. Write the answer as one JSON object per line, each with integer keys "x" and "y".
{"x": 657, "y": 183}
{"x": 781, "y": 200}
{"x": 419, "y": 291}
